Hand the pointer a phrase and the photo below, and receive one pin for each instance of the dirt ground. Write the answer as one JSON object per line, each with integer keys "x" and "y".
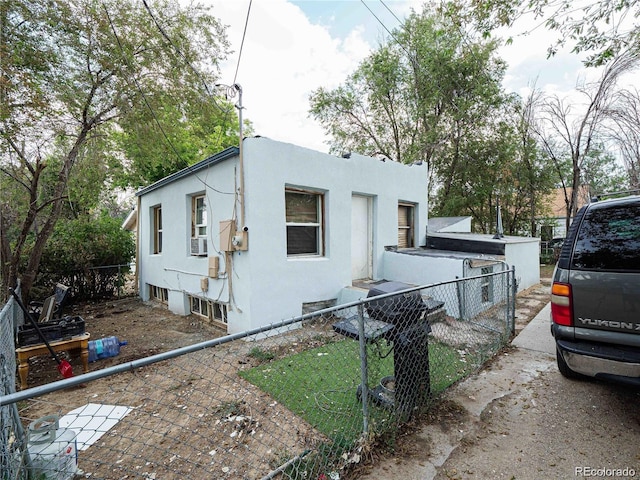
{"x": 175, "y": 403}
{"x": 147, "y": 328}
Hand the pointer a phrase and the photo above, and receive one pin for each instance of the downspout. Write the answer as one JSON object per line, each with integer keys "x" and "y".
{"x": 136, "y": 276}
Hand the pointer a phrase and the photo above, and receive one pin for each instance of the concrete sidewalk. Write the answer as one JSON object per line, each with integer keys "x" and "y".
{"x": 536, "y": 335}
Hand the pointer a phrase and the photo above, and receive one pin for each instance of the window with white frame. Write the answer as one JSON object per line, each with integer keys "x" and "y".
{"x": 199, "y": 216}
{"x": 199, "y": 306}
{"x": 304, "y": 221}
{"x": 219, "y": 312}
{"x": 157, "y": 229}
{"x": 406, "y": 212}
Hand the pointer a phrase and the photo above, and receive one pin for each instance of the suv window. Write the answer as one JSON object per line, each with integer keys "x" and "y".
{"x": 609, "y": 239}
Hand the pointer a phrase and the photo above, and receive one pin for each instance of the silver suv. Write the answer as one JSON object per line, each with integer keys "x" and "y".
{"x": 595, "y": 294}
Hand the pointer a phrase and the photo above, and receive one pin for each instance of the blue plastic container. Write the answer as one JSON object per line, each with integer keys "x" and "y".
{"x": 104, "y": 348}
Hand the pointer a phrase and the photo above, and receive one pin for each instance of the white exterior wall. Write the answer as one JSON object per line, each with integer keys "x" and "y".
{"x": 525, "y": 257}
{"x": 421, "y": 270}
{"x": 463, "y": 226}
{"x": 267, "y": 285}
{"x": 175, "y": 268}
{"x": 274, "y": 286}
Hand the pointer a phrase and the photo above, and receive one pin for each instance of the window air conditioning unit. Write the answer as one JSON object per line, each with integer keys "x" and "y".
{"x": 199, "y": 246}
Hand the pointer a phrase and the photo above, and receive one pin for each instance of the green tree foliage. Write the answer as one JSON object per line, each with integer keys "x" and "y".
{"x": 433, "y": 93}
{"x": 602, "y": 28}
{"x": 77, "y": 79}
{"x": 78, "y": 247}
{"x": 602, "y": 173}
{"x": 174, "y": 132}
{"x": 398, "y": 101}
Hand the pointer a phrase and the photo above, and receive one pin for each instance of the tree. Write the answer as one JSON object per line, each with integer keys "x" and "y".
{"x": 87, "y": 254}
{"x": 566, "y": 134}
{"x": 72, "y": 73}
{"x": 174, "y": 132}
{"x": 536, "y": 172}
{"x": 604, "y": 28}
{"x": 505, "y": 167}
{"x": 623, "y": 129}
{"x": 395, "y": 105}
{"x": 433, "y": 93}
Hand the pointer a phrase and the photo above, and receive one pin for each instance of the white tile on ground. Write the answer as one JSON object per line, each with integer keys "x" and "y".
{"x": 92, "y": 421}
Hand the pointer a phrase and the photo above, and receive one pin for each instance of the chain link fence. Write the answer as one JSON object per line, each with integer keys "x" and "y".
{"x": 303, "y": 399}
{"x": 12, "y": 435}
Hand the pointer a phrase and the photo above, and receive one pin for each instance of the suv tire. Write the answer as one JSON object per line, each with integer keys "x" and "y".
{"x": 564, "y": 368}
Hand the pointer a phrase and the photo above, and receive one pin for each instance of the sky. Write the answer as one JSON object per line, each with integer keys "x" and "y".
{"x": 291, "y": 48}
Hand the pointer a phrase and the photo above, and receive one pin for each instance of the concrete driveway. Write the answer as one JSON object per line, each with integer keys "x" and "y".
{"x": 520, "y": 419}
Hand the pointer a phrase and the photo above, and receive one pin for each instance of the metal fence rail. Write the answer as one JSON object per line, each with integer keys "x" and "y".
{"x": 301, "y": 399}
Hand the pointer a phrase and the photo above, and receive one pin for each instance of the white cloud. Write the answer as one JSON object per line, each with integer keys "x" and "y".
{"x": 285, "y": 58}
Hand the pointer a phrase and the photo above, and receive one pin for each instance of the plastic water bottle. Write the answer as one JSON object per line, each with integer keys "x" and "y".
{"x": 104, "y": 348}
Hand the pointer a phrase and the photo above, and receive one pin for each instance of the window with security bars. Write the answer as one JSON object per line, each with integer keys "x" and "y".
{"x": 405, "y": 225}
{"x": 199, "y": 216}
{"x": 157, "y": 229}
{"x": 304, "y": 221}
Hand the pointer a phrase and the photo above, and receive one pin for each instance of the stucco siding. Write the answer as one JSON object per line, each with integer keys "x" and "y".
{"x": 525, "y": 257}
{"x": 266, "y": 284}
{"x": 277, "y": 284}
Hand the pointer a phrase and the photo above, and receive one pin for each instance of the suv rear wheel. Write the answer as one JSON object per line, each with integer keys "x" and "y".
{"x": 564, "y": 368}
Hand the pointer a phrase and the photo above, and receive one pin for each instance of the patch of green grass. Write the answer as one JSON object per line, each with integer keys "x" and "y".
{"x": 261, "y": 354}
{"x": 320, "y": 384}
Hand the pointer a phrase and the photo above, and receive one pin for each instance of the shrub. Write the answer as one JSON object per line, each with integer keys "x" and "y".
{"x": 88, "y": 256}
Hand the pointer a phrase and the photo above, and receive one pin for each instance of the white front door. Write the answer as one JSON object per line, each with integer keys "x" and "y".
{"x": 361, "y": 242}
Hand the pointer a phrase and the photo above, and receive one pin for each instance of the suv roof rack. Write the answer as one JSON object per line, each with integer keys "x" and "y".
{"x": 602, "y": 196}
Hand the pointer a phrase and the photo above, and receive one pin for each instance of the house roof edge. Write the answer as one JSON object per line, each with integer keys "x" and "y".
{"x": 225, "y": 154}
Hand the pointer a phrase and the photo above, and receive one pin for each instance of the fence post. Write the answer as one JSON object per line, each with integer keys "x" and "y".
{"x": 514, "y": 292}
{"x": 506, "y": 282}
{"x": 364, "y": 374}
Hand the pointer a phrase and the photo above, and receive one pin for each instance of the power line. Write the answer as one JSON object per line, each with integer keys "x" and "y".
{"x": 385, "y": 27}
{"x": 244, "y": 33}
{"x": 184, "y": 58}
{"x": 391, "y": 11}
{"x": 153, "y": 114}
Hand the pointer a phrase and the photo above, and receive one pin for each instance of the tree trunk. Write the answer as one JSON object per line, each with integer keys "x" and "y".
{"x": 28, "y": 277}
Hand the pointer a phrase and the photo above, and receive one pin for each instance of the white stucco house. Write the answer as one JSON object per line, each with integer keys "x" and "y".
{"x": 249, "y": 243}
{"x": 248, "y": 238}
